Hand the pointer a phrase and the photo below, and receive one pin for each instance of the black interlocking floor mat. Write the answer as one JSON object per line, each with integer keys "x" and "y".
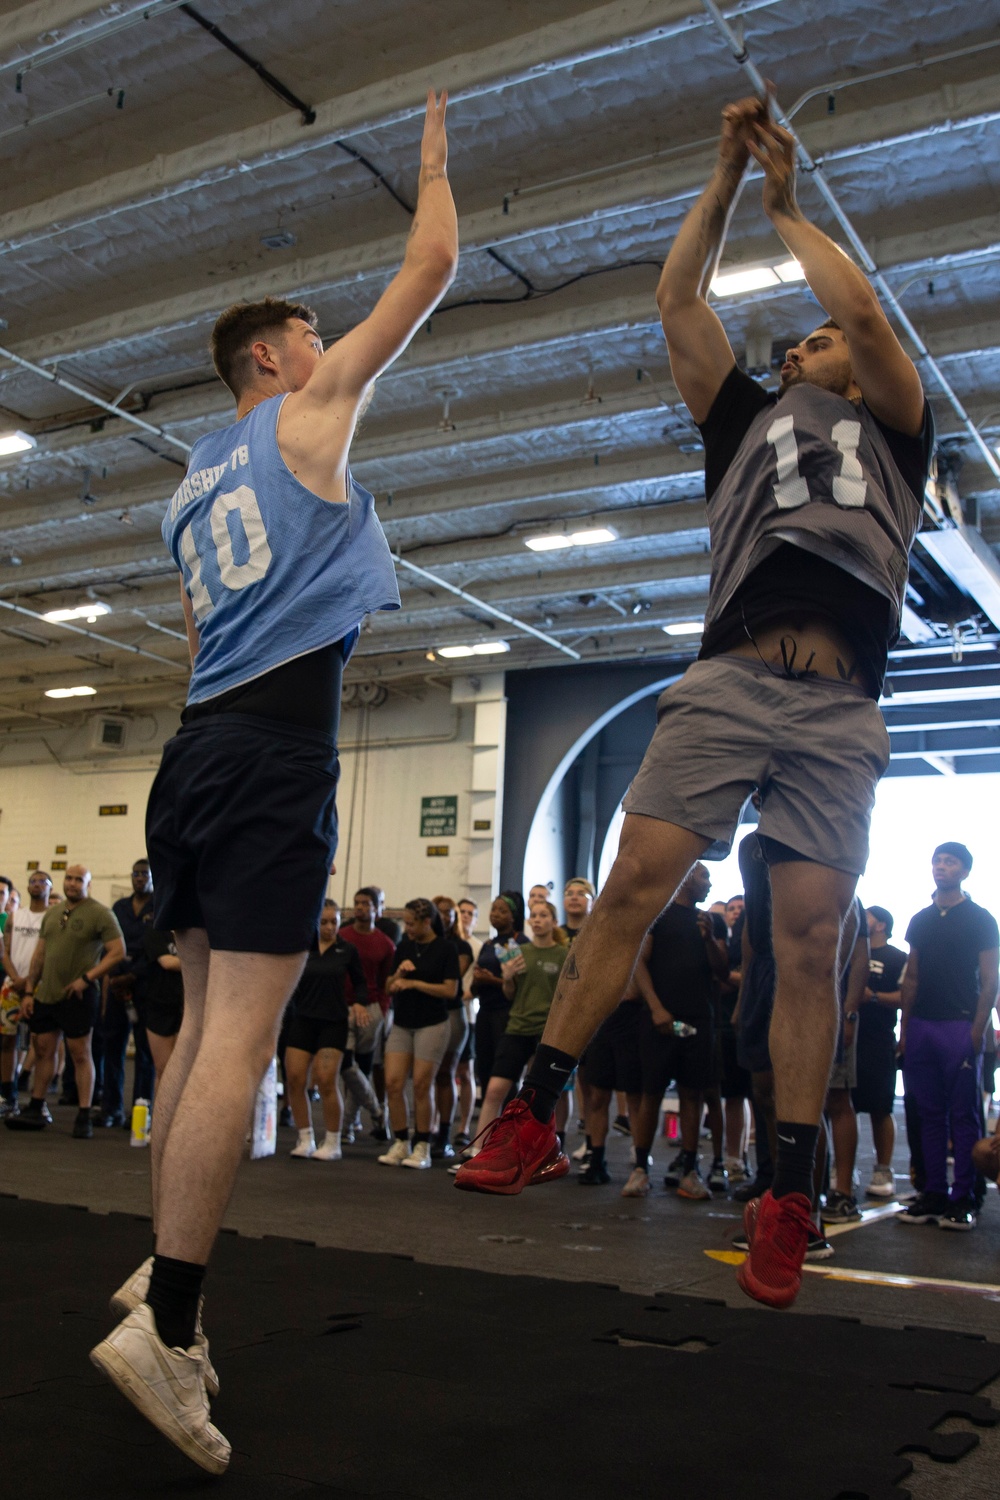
{"x": 354, "y": 1376}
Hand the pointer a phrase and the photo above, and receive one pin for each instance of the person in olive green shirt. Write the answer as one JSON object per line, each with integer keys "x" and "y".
{"x": 79, "y": 941}
{"x": 529, "y": 981}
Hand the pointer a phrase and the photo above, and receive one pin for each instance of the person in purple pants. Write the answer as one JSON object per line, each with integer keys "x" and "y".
{"x": 949, "y": 990}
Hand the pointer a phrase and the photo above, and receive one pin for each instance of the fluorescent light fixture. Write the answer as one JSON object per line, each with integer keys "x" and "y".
{"x": 89, "y": 612}
{"x": 685, "y": 627}
{"x": 914, "y": 628}
{"x": 547, "y": 543}
{"x": 969, "y": 562}
{"x": 558, "y": 540}
{"x": 16, "y": 442}
{"x": 732, "y": 283}
{"x": 73, "y": 692}
{"x": 484, "y": 648}
{"x": 593, "y": 538}
{"x": 789, "y": 270}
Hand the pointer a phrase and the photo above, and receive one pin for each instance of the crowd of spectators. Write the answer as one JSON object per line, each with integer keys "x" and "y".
{"x": 420, "y": 1022}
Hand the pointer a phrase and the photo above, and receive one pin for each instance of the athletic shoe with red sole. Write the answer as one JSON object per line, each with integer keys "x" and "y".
{"x": 777, "y": 1231}
{"x": 518, "y": 1151}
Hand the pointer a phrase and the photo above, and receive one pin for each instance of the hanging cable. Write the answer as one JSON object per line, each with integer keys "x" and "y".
{"x": 808, "y": 165}
{"x": 489, "y": 609}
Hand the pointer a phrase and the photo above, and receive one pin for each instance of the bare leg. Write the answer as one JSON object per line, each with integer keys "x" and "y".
{"x": 326, "y": 1072}
{"x": 246, "y": 995}
{"x": 445, "y": 1090}
{"x": 493, "y": 1100}
{"x": 466, "y": 1097}
{"x": 194, "y": 953}
{"x": 713, "y": 1113}
{"x": 653, "y": 859}
{"x": 844, "y": 1125}
{"x": 423, "y": 1084}
{"x": 297, "y": 1064}
{"x": 810, "y": 902}
{"x": 692, "y": 1103}
{"x": 397, "y": 1071}
{"x": 884, "y": 1138}
{"x": 737, "y": 1128}
{"x": 83, "y": 1062}
{"x": 161, "y": 1049}
{"x": 45, "y": 1060}
{"x": 598, "y": 1102}
{"x": 645, "y": 1119}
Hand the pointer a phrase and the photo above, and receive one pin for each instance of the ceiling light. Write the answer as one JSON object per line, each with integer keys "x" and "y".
{"x": 16, "y": 442}
{"x": 547, "y": 543}
{"x": 593, "y": 538}
{"x": 89, "y": 612}
{"x": 485, "y": 648}
{"x": 73, "y": 692}
{"x": 685, "y": 627}
{"x": 731, "y": 283}
{"x": 789, "y": 270}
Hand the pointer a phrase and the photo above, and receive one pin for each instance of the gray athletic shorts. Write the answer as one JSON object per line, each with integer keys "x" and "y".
{"x": 365, "y": 1040}
{"x": 814, "y": 748}
{"x": 844, "y": 1074}
{"x": 458, "y": 1024}
{"x": 423, "y": 1043}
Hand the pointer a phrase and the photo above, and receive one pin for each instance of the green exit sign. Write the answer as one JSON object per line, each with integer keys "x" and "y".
{"x": 438, "y": 817}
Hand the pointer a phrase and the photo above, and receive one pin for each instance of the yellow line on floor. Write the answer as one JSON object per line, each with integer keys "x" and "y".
{"x": 874, "y": 1278}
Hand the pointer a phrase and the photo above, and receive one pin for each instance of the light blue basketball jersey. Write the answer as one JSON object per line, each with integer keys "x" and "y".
{"x": 272, "y": 571}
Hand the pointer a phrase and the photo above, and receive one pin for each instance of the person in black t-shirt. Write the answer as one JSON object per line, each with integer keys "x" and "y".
{"x": 949, "y": 990}
{"x": 458, "y": 1021}
{"x": 424, "y": 981}
{"x": 316, "y": 1036}
{"x": 507, "y": 921}
{"x": 875, "y": 1093}
{"x": 814, "y": 496}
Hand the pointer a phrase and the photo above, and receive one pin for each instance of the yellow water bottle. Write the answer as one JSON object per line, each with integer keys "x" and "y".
{"x": 140, "y": 1123}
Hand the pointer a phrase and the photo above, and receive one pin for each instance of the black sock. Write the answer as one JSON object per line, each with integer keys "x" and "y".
{"x": 642, "y": 1159}
{"x": 796, "y": 1158}
{"x": 35, "y": 1104}
{"x": 689, "y": 1160}
{"x": 421, "y": 1135}
{"x": 444, "y": 1131}
{"x": 597, "y": 1156}
{"x": 174, "y": 1290}
{"x": 403, "y": 1135}
{"x": 83, "y": 1112}
{"x": 590, "y": 1144}
{"x": 546, "y": 1080}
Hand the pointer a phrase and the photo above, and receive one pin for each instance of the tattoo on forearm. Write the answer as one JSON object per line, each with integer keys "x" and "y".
{"x": 569, "y": 968}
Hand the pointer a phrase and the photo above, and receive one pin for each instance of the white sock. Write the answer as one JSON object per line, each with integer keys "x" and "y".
{"x": 332, "y": 1138}
{"x": 305, "y": 1136}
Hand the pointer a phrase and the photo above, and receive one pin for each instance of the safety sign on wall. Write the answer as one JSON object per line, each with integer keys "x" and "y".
{"x": 438, "y": 817}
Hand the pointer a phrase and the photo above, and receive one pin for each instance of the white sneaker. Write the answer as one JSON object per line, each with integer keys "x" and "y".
{"x": 305, "y": 1146}
{"x": 132, "y": 1291}
{"x": 581, "y": 1151}
{"x": 396, "y": 1154}
{"x": 166, "y": 1385}
{"x": 637, "y": 1185}
{"x": 136, "y": 1290}
{"x": 419, "y": 1158}
{"x": 330, "y": 1149}
{"x": 882, "y": 1185}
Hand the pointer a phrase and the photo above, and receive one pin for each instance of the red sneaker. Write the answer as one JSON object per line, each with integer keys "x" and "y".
{"x": 777, "y": 1231}
{"x": 518, "y": 1151}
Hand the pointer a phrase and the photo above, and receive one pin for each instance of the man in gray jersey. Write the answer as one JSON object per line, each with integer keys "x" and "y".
{"x": 814, "y": 497}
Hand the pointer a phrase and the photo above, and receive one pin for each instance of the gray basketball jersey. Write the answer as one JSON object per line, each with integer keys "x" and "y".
{"x": 813, "y": 470}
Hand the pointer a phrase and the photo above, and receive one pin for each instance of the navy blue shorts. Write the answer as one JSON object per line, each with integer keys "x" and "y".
{"x": 241, "y": 831}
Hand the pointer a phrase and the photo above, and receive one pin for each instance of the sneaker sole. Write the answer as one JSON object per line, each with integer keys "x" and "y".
{"x": 694, "y": 1197}
{"x": 541, "y": 1175}
{"x": 923, "y": 1220}
{"x": 957, "y": 1228}
{"x": 824, "y": 1254}
{"x": 777, "y": 1297}
{"x": 110, "y": 1362}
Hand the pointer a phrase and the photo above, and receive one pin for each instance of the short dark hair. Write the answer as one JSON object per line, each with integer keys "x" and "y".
{"x": 330, "y": 902}
{"x": 242, "y": 325}
{"x": 369, "y": 891}
{"x": 6, "y": 880}
{"x": 957, "y": 851}
{"x": 885, "y": 917}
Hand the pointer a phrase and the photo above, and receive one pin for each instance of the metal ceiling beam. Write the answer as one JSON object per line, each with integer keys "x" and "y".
{"x": 106, "y": 642}
{"x": 601, "y": 32}
{"x": 552, "y": 210}
{"x": 489, "y": 609}
{"x": 29, "y": 22}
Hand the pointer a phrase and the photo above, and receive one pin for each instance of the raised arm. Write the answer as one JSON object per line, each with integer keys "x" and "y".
{"x": 348, "y": 368}
{"x": 700, "y": 353}
{"x": 886, "y": 375}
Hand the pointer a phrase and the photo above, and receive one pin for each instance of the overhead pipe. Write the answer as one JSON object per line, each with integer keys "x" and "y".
{"x": 104, "y": 640}
{"x": 108, "y": 406}
{"x": 85, "y": 37}
{"x": 489, "y": 609}
{"x": 744, "y": 61}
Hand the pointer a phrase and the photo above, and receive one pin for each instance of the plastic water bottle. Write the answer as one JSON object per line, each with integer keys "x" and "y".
{"x": 511, "y": 950}
{"x": 682, "y": 1028}
{"x": 140, "y": 1123}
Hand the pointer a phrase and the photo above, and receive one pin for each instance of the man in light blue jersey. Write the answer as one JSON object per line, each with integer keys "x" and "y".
{"x": 281, "y": 555}
{"x": 814, "y": 494}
